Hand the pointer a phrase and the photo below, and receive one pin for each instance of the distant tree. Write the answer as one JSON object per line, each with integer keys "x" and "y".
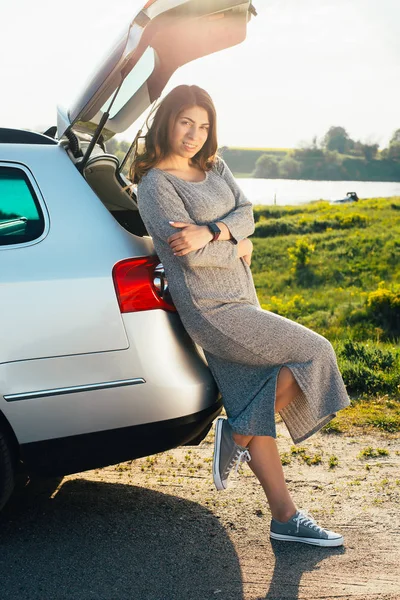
{"x": 338, "y": 139}
{"x": 311, "y": 161}
{"x": 308, "y": 153}
{"x": 266, "y": 167}
{"x": 395, "y": 138}
{"x": 289, "y": 168}
{"x": 393, "y": 152}
{"x": 369, "y": 151}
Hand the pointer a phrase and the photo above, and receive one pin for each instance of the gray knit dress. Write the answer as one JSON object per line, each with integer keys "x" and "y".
{"x": 214, "y": 294}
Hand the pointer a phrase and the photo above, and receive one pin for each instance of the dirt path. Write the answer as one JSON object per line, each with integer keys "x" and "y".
{"x": 156, "y": 529}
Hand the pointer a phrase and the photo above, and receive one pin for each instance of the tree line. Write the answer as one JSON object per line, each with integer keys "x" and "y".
{"x": 336, "y": 157}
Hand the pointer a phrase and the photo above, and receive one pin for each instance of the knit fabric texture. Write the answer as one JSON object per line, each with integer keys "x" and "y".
{"x": 214, "y": 294}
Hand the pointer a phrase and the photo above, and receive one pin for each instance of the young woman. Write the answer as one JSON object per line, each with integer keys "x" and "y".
{"x": 200, "y": 221}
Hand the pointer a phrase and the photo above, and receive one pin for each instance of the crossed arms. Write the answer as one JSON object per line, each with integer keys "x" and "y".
{"x": 163, "y": 212}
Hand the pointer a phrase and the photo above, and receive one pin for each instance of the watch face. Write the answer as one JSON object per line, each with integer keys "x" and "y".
{"x": 214, "y": 228}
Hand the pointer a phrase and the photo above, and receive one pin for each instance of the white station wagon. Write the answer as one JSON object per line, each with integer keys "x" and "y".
{"x": 95, "y": 365}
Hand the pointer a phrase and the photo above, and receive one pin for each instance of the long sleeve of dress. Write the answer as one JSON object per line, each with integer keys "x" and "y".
{"x": 159, "y": 203}
{"x": 239, "y": 221}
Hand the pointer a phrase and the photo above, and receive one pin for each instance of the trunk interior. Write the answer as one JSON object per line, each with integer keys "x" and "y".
{"x": 101, "y": 173}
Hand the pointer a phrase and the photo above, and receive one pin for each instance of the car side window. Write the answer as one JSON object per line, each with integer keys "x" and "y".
{"x": 21, "y": 219}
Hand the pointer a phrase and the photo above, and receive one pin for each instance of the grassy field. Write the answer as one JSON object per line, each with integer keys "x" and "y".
{"x": 336, "y": 270}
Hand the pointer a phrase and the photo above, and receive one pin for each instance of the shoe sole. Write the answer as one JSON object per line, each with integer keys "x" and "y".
{"x": 313, "y": 541}
{"x": 217, "y": 445}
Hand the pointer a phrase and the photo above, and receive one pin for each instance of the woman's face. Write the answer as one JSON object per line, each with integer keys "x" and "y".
{"x": 189, "y": 132}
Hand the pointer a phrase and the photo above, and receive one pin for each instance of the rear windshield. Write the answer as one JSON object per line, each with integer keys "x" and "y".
{"x": 21, "y": 219}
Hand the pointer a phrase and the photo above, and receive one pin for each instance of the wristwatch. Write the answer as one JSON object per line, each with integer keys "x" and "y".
{"x": 215, "y": 230}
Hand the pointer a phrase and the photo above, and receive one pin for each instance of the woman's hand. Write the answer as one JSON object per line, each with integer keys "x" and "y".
{"x": 191, "y": 237}
{"x": 247, "y": 259}
{"x": 245, "y": 250}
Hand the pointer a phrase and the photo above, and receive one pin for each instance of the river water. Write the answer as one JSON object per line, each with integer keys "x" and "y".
{"x": 293, "y": 191}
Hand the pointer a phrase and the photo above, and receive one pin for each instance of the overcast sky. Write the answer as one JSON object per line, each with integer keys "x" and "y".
{"x": 305, "y": 65}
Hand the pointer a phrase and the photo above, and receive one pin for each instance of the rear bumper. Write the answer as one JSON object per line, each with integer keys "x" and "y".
{"x": 62, "y": 456}
{"x": 67, "y": 396}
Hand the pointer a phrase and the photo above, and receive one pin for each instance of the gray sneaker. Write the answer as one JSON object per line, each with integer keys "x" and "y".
{"x": 302, "y": 528}
{"x": 226, "y": 454}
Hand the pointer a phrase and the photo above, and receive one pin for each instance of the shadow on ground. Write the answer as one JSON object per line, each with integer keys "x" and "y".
{"x": 291, "y": 562}
{"x": 111, "y": 541}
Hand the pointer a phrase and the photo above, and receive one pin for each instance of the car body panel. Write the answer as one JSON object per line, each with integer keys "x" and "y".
{"x": 177, "y": 383}
{"x": 53, "y": 283}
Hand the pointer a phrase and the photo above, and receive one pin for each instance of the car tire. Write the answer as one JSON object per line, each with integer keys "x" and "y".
{"x": 7, "y": 468}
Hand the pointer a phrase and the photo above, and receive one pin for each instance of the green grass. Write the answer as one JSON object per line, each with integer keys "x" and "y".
{"x": 346, "y": 265}
{"x": 369, "y": 415}
{"x": 336, "y": 270}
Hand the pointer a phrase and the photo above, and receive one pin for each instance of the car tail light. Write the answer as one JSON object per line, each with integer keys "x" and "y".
{"x": 140, "y": 284}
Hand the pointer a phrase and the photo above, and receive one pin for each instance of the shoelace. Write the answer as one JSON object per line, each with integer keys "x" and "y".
{"x": 306, "y": 519}
{"x": 240, "y": 457}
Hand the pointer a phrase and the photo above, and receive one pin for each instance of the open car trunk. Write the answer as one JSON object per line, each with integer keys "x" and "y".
{"x": 164, "y": 35}
{"x": 103, "y": 176}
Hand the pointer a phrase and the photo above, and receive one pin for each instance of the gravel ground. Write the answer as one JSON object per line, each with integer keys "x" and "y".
{"x": 156, "y": 529}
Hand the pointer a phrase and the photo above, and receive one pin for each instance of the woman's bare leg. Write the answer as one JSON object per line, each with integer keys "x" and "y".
{"x": 267, "y": 467}
{"x": 287, "y": 389}
{"x": 265, "y": 460}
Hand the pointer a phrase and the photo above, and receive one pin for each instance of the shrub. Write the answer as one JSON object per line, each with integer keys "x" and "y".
{"x": 300, "y": 253}
{"x": 374, "y": 358}
{"x": 383, "y": 307}
{"x": 368, "y": 369}
{"x": 292, "y": 308}
{"x": 360, "y": 379}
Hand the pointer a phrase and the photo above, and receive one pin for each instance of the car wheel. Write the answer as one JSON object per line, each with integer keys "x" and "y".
{"x": 7, "y": 469}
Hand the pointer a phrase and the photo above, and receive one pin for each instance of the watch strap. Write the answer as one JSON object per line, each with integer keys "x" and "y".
{"x": 215, "y": 230}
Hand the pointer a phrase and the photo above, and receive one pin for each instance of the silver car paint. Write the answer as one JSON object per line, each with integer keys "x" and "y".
{"x": 178, "y": 383}
{"x": 61, "y": 278}
{"x": 65, "y": 329}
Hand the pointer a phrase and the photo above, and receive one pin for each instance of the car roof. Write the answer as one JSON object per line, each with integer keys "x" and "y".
{"x": 23, "y": 136}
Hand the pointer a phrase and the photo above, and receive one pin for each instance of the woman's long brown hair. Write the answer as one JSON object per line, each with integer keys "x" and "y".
{"x": 156, "y": 140}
